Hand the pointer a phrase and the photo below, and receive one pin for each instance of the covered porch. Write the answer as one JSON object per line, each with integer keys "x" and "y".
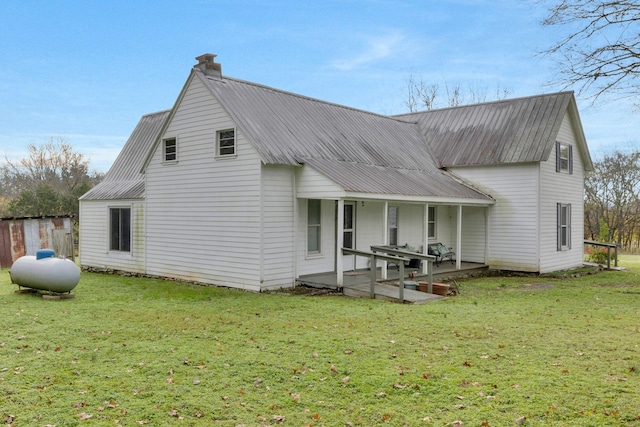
{"x": 357, "y": 282}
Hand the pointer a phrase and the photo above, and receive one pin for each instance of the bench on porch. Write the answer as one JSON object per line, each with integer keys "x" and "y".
{"x": 441, "y": 252}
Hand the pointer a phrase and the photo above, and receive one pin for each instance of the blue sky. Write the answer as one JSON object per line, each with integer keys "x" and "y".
{"x": 87, "y": 70}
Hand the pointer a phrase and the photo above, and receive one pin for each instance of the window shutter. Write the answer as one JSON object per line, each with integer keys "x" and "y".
{"x": 557, "y": 156}
{"x": 569, "y": 224}
{"x": 559, "y": 232}
{"x": 570, "y": 159}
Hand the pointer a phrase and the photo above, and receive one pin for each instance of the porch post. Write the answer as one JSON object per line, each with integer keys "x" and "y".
{"x": 425, "y": 237}
{"x": 339, "y": 243}
{"x": 459, "y": 239}
{"x": 385, "y": 237}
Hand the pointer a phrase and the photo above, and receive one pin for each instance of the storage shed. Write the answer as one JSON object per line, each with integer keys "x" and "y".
{"x": 21, "y": 236}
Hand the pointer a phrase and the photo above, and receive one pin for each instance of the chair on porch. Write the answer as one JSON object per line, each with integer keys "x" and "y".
{"x": 441, "y": 252}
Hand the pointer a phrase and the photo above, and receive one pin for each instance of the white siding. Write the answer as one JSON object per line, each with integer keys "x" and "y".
{"x": 325, "y": 260}
{"x": 513, "y": 220}
{"x": 93, "y": 245}
{"x": 278, "y": 227}
{"x": 203, "y": 213}
{"x": 473, "y": 234}
{"x": 310, "y": 184}
{"x": 562, "y": 188}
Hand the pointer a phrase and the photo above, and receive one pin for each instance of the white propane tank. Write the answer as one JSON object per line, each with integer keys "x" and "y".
{"x": 45, "y": 272}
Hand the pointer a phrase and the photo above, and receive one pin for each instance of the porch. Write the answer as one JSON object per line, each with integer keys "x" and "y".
{"x": 357, "y": 283}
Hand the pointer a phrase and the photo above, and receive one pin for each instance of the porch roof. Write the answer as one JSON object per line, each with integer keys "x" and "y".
{"x": 384, "y": 180}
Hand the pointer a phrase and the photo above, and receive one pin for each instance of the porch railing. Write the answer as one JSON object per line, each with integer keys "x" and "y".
{"x": 398, "y": 259}
{"x": 609, "y": 246}
{"x": 429, "y": 259}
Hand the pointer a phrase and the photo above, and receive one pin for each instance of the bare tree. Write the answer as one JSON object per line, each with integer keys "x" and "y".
{"x": 612, "y": 197}
{"x": 48, "y": 181}
{"x": 425, "y": 96}
{"x": 601, "y": 51}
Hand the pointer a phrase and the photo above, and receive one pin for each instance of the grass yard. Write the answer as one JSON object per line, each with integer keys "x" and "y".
{"x": 130, "y": 351}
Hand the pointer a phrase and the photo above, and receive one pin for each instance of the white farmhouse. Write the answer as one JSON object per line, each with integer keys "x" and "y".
{"x": 247, "y": 186}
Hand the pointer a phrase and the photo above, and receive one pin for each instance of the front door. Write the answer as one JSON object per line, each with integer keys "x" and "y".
{"x": 349, "y": 234}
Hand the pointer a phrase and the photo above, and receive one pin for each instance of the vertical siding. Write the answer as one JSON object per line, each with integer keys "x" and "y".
{"x": 513, "y": 220}
{"x": 562, "y": 188}
{"x": 203, "y": 213}
{"x": 94, "y": 236}
{"x": 278, "y": 222}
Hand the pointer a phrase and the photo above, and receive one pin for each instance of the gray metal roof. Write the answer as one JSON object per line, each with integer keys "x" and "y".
{"x": 284, "y": 127}
{"x": 124, "y": 180}
{"x": 361, "y": 151}
{"x": 375, "y": 179}
{"x": 509, "y": 131}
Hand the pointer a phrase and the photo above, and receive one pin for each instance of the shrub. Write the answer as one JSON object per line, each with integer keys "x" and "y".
{"x": 597, "y": 255}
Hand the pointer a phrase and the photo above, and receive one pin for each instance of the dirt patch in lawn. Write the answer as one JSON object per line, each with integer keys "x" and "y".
{"x": 536, "y": 286}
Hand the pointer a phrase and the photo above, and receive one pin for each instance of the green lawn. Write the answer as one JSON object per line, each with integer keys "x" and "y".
{"x": 130, "y": 351}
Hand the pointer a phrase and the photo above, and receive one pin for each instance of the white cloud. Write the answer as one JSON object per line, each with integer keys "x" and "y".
{"x": 377, "y": 48}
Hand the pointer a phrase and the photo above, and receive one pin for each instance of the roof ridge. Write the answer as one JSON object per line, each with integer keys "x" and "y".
{"x": 497, "y": 101}
{"x": 309, "y": 98}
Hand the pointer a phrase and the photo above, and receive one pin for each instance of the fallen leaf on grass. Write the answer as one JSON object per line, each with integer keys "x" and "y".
{"x": 521, "y": 420}
{"x": 84, "y": 416}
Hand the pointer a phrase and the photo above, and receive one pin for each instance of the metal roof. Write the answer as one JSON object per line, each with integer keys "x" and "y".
{"x": 124, "y": 180}
{"x": 284, "y": 127}
{"x": 508, "y": 131}
{"x": 374, "y": 179}
{"x": 359, "y": 150}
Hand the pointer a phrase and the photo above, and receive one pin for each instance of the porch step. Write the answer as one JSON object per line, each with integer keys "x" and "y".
{"x": 389, "y": 293}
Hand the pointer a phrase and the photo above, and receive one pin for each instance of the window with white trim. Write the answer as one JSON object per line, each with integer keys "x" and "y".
{"x": 564, "y": 226}
{"x": 314, "y": 229}
{"x": 393, "y": 225}
{"x": 564, "y": 158}
{"x": 226, "y": 143}
{"x": 120, "y": 229}
{"x": 431, "y": 222}
{"x": 169, "y": 150}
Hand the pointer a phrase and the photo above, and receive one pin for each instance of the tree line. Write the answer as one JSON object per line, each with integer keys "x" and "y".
{"x": 48, "y": 181}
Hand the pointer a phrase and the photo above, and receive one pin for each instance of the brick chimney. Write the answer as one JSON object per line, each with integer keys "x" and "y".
{"x": 208, "y": 66}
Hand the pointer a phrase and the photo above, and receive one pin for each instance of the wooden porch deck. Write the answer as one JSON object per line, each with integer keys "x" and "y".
{"x": 357, "y": 283}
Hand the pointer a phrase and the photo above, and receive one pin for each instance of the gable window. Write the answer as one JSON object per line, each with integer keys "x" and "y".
{"x": 564, "y": 158}
{"x": 393, "y": 225}
{"x": 564, "y": 226}
{"x": 313, "y": 226}
{"x": 120, "y": 229}
{"x": 226, "y": 142}
{"x": 348, "y": 229}
{"x": 169, "y": 150}
{"x": 431, "y": 223}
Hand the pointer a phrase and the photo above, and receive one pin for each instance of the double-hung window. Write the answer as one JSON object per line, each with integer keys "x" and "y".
{"x": 564, "y": 158}
{"x": 169, "y": 150}
{"x": 226, "y": 143}
{"x": 314, "y": 231}
{"x": 564, "y": 226}
{"x": 393, "y": 225}
{"x": 431, "y": 222}
{"x": 120, "y": 229}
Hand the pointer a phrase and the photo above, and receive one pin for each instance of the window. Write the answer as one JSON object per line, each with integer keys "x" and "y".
{"x": 169, "y": 150}
{"x": 120, "y": 229}
{"x": 226, "y": 140}
{"x": 348, "y": 240}
{"x": 393, "y": 225}
{"x": 564, "y": 158}
{"x": 313, "y": 226}
{"x": 431, "y": 223}
{"x": 564, "y": 226}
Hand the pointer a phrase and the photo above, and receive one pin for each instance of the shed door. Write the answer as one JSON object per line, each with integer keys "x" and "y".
{"x": 5, "y": 245}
